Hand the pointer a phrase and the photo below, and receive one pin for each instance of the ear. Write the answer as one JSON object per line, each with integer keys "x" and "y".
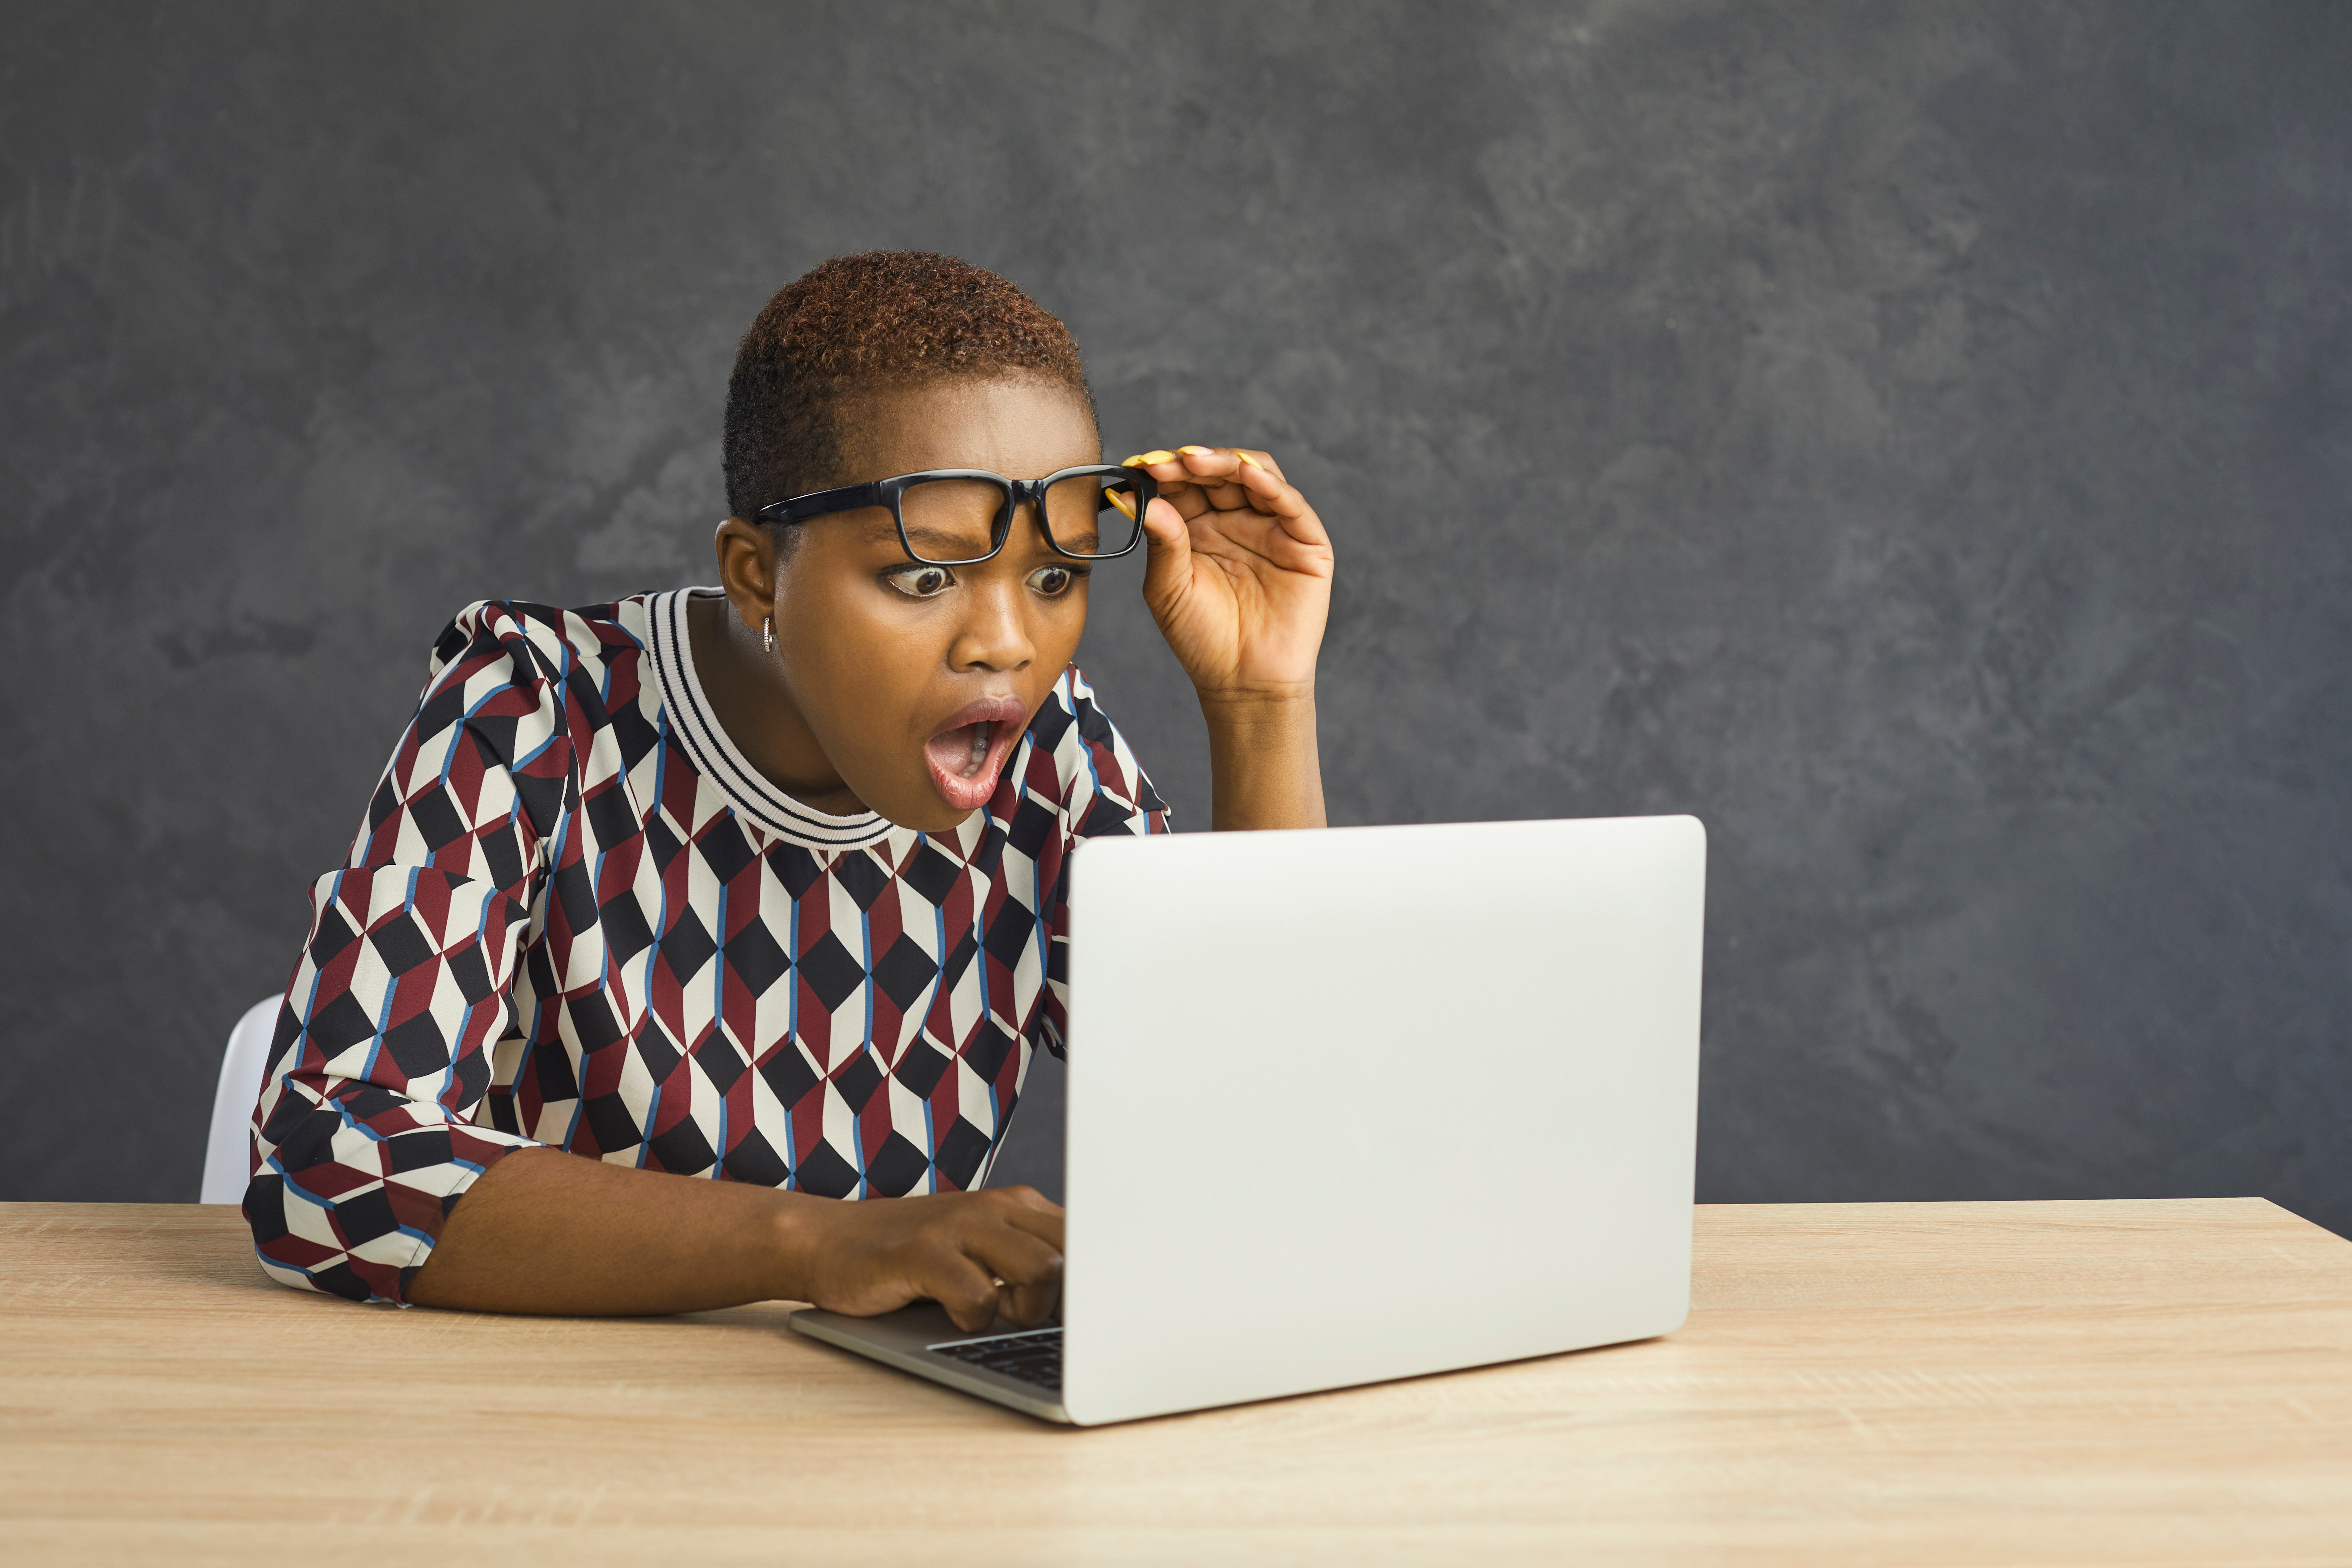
{"x": 748, "y": 567}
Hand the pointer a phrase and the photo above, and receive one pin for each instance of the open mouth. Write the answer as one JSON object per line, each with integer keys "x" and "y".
{"x": 967, "y": 755}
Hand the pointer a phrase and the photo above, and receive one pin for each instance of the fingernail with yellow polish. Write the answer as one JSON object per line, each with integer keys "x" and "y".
{"x": 1130, "y": 462}
{"x": 1119, "y": 498}
{"x": 1196, "y": 451}
{"x": 1158, "y": 457}
{"x": 1245, "y": 457}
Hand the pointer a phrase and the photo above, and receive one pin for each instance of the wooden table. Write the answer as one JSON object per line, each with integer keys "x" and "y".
{"x": 1922, "y": 1383}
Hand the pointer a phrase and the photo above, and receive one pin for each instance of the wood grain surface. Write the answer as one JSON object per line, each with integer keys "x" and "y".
{"x": 1933, "y": 1384}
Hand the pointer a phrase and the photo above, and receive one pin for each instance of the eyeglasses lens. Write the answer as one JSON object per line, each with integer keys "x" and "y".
{"x": 951, "y": 520}
{"x": 1083, "y": 517}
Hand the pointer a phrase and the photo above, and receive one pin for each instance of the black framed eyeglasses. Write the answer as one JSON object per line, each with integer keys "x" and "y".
{"x": 960, "y": 517}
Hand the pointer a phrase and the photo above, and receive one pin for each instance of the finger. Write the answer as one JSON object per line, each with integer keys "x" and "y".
{"x": 1222, "y": 475}
{"x": 1192, "y": 500}
{"x": 1189, "y": 464}
{"x": 1241, "y": 457}
{"x": 1030, "y": 1305}
{"x": 1014, "y": 1256}
{"x": 964, "y": 1286}
{"x": 1270, "y": 492}
{"x": 1176, "y": 483}
{"x": 1232, "y": 478}
{"x": 1034, "y": 1215}
{"x": 1208, "y": 486}
{"x": 1164, "y": 524}
{"x": 1028, "y": 1272}
{"x": 1255, "y": 499}
{"x": 1197, "y": 486}
{"x": 1167, "y": 556}
{"x": 1254, "y": 459}
{"x": 1218, "y": 460}
{"x": 1194, "y": 464}
{"x": 1031, "y": 1215}
{"x": 1189, "y": 499}
{"x": 1027, "y": 1197}
{"x": 1169, "y": 540}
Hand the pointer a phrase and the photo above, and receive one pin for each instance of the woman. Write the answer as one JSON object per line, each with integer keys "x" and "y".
{"x": 754, "y": 895}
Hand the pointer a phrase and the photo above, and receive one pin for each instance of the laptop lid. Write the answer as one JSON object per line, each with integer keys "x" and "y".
{"x": 1367, "y": 1103}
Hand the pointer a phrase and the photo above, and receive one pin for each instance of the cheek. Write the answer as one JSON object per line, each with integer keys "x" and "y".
{"x": 1060, "y": 622}
{"x": 848, "y": 662}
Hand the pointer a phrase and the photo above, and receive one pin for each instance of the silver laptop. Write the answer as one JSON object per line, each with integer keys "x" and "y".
{"x": 1353, "y": 1105}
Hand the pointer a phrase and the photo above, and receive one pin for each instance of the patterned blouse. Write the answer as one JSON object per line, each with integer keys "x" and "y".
{"x": 576, "y": 916}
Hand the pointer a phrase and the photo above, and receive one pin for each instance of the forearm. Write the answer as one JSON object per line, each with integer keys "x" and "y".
{"x": 1262, "y": 762}
{"x": 545, "y": 1231}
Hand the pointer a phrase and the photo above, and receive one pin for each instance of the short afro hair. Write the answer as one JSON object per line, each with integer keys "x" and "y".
{"x": 878, "y": 319}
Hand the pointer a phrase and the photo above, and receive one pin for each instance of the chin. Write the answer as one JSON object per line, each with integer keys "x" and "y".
{"x": 914, "y": 804}
{"x": 937, "y": 817}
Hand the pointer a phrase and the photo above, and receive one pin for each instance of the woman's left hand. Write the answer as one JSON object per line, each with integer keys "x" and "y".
{"x": 1239, "y": 575}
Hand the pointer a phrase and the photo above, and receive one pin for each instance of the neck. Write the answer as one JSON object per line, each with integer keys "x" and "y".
{"x": 747, "y": 690}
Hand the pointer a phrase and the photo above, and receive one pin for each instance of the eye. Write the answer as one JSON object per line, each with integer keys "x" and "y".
{"x": 921, "y": 582}
{"x": 1054, "y": 580}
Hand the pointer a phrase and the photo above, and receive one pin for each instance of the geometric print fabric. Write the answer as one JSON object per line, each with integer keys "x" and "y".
{"x": 575, "y": 916}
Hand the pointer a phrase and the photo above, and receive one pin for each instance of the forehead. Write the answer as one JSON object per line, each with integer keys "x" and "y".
{"x": 1021, "y": 426}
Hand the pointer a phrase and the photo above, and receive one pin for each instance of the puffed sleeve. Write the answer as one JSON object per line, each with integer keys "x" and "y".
{"x": 366, "y": 1134}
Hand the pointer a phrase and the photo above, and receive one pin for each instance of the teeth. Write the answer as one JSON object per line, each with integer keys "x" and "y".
{"x": 979, "y": 750}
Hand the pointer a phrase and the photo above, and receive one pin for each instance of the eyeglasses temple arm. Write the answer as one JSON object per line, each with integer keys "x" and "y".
{"x": 848, "y": 498}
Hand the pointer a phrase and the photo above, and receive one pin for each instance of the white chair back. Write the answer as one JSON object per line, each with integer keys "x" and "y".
{"x": 227, "y": 1155}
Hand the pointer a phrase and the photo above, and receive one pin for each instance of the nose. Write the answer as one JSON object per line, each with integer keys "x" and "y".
{"x": 994, "y": 634}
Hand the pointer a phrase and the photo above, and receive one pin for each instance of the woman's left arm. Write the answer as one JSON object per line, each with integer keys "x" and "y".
{"x": 1240, "y": 581}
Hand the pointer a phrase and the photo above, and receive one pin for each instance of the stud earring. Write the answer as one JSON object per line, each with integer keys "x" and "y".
{"x": 767, "y": 633}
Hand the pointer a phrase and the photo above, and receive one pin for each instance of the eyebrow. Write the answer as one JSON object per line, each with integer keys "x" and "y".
{"x": 884, "y": 534}
{"x": 883, "y": 530}
{"x": 933, "y": 538}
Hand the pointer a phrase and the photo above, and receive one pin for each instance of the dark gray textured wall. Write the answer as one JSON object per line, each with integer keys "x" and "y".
{"x": 1915, "y": 438}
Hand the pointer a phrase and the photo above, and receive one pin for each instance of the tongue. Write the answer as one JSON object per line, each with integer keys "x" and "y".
{"x": 960, "y": 753}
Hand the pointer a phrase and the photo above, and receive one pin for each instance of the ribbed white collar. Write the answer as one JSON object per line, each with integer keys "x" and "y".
{"x": 712, "y": 752}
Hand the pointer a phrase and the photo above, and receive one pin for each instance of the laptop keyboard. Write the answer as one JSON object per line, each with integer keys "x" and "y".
{"x": 1033, "y": 1357}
